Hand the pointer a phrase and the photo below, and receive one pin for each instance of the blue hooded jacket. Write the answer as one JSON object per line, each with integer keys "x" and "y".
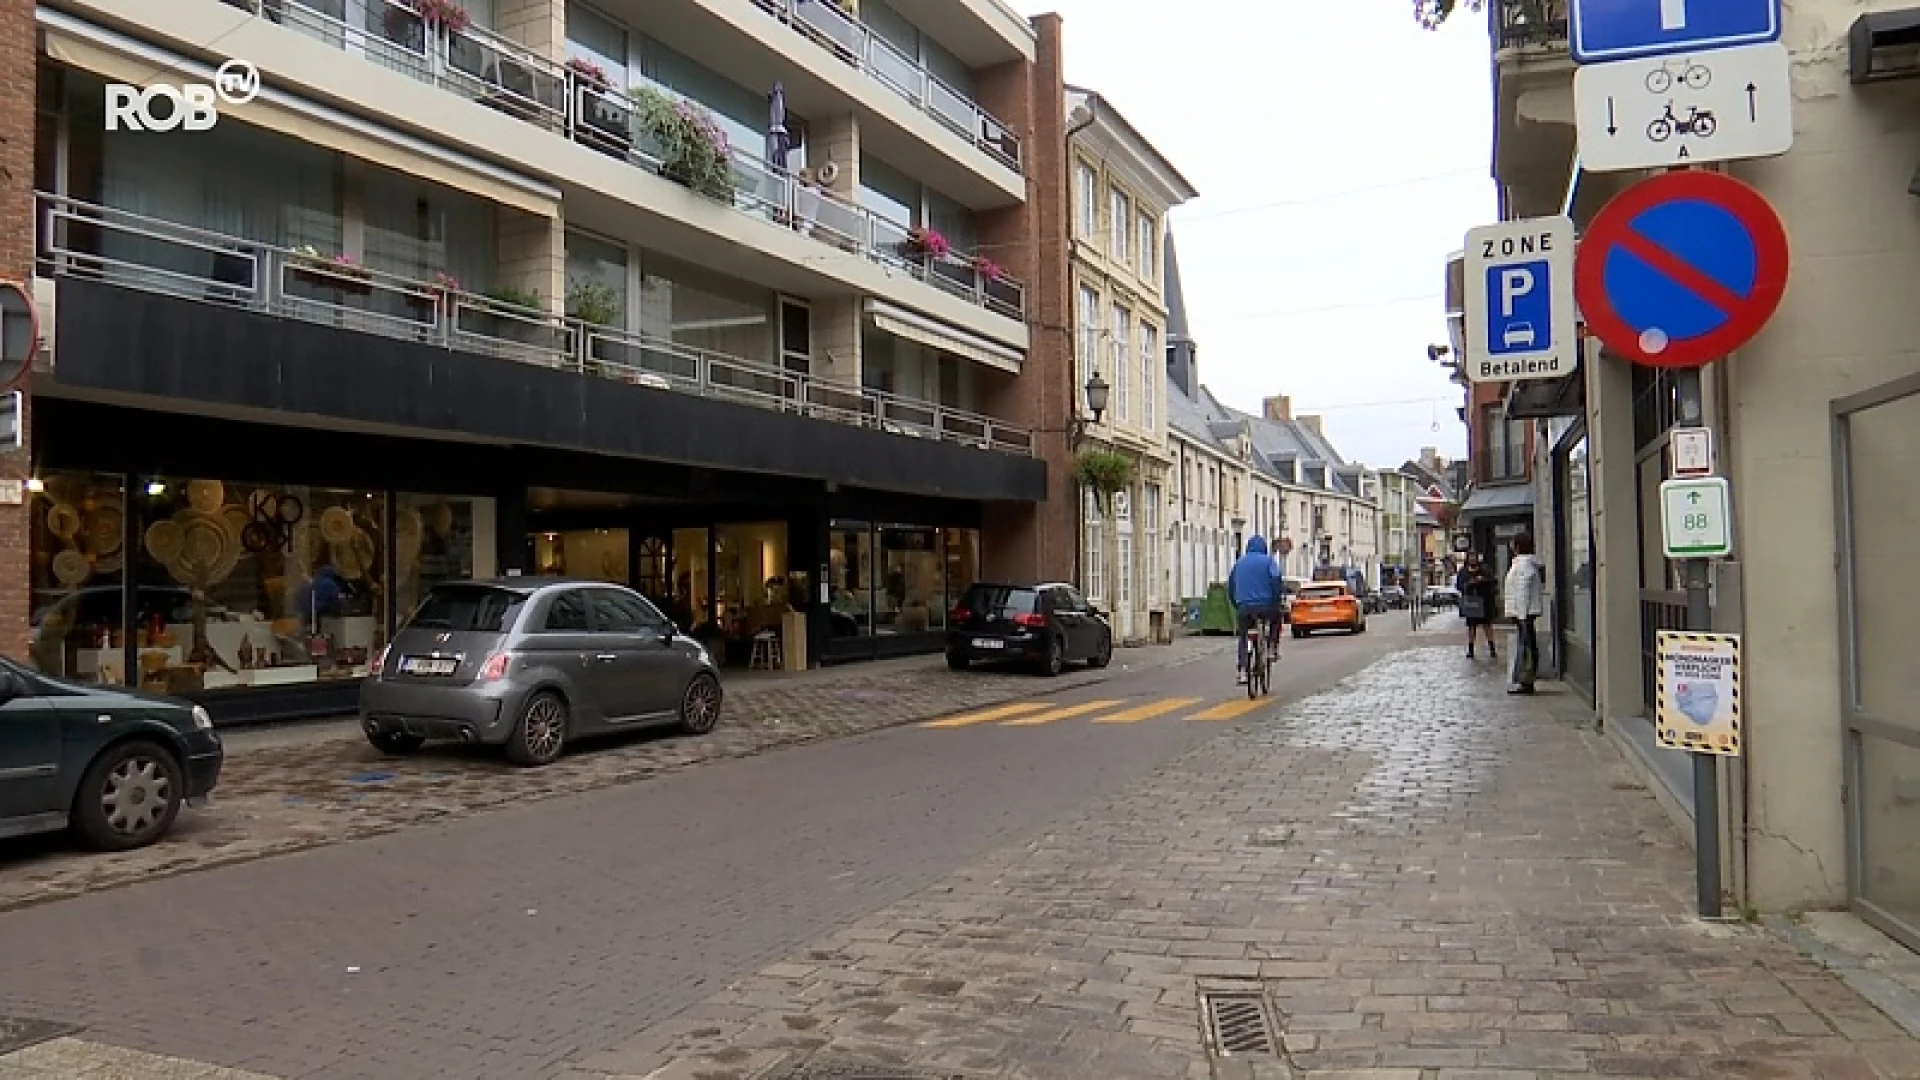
{"x": 1254, "y": 580}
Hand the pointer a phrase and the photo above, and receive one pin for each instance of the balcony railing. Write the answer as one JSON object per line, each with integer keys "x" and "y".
{"x": 85, "y": 240}
{"x": 505, "y": 76}
{"x": 1536, "y": 23}
{"x": 848, "y": 38}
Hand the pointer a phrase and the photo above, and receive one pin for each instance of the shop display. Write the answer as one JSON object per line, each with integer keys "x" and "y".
{"x": 78, "y": 557}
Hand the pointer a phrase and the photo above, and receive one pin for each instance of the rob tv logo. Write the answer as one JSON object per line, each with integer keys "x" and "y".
{"x": 193, "y": 106}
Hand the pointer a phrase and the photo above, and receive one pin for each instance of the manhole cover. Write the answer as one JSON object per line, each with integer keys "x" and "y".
{"x": 825, "y": 1067}
{"x": 18, "y": 1032}
{"x": 1238, "y": 1023}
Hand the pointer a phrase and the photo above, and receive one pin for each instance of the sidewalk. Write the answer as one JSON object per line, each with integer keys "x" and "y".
{"x": 1413, "y": 876}
{"x": 301, "y": 786}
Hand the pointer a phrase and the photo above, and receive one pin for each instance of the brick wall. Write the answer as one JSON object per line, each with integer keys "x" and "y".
{"x": 1031, "y": 242}
{"x": 17, "y": 58}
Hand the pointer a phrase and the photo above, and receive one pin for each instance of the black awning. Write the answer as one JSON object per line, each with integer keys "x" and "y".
{"x": 1542, "y": 399}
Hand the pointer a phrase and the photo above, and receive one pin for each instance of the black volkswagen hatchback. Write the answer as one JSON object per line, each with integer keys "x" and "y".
{"x": 1048, "y": 626}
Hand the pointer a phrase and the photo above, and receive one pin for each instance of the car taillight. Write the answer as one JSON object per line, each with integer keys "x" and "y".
{"x": 495, "y": 668}
{"x": 959, "y": 615}
{"x": 1032, "y": 622}
{"x": 379, "y": 661}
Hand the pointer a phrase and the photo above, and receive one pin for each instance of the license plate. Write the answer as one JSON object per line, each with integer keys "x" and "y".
{"x": 988, "y": 643}
{"x": 429, "y": 665}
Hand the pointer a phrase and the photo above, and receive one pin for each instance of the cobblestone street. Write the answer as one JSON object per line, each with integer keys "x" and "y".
{"x": 285, "y": 791}
{"x": 1425, "y": 877}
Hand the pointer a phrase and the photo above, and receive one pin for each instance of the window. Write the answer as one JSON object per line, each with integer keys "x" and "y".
{"x": 567, "y": 613}
{"x": 1151, "y": 375}
{"x": 435, "y": 541}
{"x": 467, "y": 608}
{"x": 1149, "y": 245}
{"x": 1120, "y": 214}
{"x": 1000, "y": 601}
{"x": 1150, "y": 523}
{"x": 618, "y": 613}
{"x": 1505, "y": 454}
{"x": 693, "y": 307}
{"x": 596, "y": 279}
{"x": 911, "y": 570}
{"x": 1094, "y": 559}
{"x": 1122, "y": 333}
{"x": 1087, "y": 200}
{"x": 850, "y": 577}
{"x": 76, "y": 628}
{"x": 1089, "y": 334}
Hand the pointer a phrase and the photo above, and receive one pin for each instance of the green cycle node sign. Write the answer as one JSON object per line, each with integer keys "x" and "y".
{"x": 1696, "y": 518}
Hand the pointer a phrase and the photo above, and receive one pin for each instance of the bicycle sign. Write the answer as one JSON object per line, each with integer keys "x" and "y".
{"x": 1724, "y": 105}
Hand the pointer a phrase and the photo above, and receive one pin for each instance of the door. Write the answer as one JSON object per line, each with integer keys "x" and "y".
{"x": 565, "y": 645}
{"x": 1083, "y": 626}
{"x": 634, "y": 653}
{"x": 29, "y": 754}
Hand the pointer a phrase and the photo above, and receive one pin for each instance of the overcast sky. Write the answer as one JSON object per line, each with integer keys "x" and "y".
{"x": 1340, "y": 153}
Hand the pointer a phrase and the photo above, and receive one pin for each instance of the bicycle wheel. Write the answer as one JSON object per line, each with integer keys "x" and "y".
{"x": 1254, "y": 667}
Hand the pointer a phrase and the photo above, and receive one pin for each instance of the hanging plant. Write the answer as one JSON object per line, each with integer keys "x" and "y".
{"x": 693, "y": 149}
{"x": 1103, "y": 472}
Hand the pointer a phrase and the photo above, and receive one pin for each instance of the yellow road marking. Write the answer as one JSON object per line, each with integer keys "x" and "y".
{"x": 1067, "y": 713}
{"x": 1149, "y": 710}
{"x": 1230, "y": 710}
{"x": 985, "y": 715}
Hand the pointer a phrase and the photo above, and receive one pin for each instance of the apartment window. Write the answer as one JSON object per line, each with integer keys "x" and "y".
{"x": 1094, "y": 558}
{"x": 1120, "y": 213}
{"x": 598, "y": 40}
{"x": 1149, "y": 244}
{"x": 1087, "y": 202}
{"x": 739, "y": 111}
{"x": 1089, "y": 334}
{"x": 1504, "y": 456}
{"x": 597, "y": 275}
{"x": 1122, "y": 333}
{"x": 1150, "y": 374}
{"x": 1150, "y": 497}
{"x": 695, "y": 307}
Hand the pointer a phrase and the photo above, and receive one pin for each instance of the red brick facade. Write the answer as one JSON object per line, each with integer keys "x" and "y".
{"x": 17, "y": 97}
{"x": 1036, "y": 542}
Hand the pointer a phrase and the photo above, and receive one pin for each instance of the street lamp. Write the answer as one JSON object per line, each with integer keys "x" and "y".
{"x": 1097, "y": 391}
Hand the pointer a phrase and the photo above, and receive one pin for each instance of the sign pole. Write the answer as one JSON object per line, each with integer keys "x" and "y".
{"x": 1706, "y": 767}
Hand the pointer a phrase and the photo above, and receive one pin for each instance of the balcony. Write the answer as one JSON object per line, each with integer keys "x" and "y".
{"x": 845, "y": 36}
{"x": 1533, "y": 103}
{"x": 83, "y": 240}
{"x": 1530, "y": 24}
{"x": 490, "y": 70}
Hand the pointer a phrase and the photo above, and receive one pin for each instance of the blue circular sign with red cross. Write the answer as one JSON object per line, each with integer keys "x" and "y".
{"x": 1682, "y": 269}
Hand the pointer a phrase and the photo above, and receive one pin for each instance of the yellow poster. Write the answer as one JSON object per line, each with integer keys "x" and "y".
{"x": 1698, "y": 692}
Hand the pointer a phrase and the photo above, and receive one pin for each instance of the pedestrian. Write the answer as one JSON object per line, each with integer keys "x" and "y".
{"x": 1525, "y": 605}
{"x": 1476, "y": 590}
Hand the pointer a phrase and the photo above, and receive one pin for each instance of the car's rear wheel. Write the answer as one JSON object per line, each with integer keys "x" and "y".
{"x": 1056, "y": 658}
{"x": 1299, "y": 633}
{"x": 396, "y": 743}
{"x": 957, "y": 662}
{"x": 129, "y": 797}
{"x": 541, "y": 733}
{"x": 700, "y": 705}
{"x": 1103, "y": 655}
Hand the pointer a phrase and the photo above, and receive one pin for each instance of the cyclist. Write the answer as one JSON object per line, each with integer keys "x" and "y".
{"x": 1254, "y": 589}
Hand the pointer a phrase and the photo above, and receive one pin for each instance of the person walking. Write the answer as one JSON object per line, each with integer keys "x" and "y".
{"x": 1476, "y": 590}
{"x": 1254, "y": 589}
{"x": 1525, "y": 587}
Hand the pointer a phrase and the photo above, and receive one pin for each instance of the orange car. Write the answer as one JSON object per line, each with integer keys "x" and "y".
{"x": 1326, "y": 605}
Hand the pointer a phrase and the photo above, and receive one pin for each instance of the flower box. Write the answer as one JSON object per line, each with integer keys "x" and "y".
{"x": 338, "y": 276}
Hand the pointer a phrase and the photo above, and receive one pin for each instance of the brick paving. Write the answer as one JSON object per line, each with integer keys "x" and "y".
{"x": 1428, "y": 879}
{"x": 309, "y": 788}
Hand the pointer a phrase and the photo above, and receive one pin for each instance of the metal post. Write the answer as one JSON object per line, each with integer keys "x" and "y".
{"x": 1706, "y": 767}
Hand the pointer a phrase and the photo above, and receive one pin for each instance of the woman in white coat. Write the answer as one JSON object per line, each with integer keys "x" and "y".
{"x": 1525, "y": 604}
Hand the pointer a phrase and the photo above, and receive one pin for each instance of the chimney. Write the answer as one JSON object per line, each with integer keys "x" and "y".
{"x": 1311, "y": 423}
{"x": 1278, "y": 408}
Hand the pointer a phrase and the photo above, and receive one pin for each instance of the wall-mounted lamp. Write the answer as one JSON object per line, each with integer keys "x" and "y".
{"x": 156, "y": 488}
{"x": 35, "y": 484}
{"x": 1883, "y": 45}
{"x": 1097, "y": 392}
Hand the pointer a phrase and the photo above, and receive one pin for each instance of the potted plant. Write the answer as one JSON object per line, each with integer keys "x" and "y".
{"x": 1103, "y": 472}
{"x": 927, "y": 242}
{"x": 510, "y": 300}
{"x": 987, "y": 268}
{"x": 593, "y": 302}
{"x": 590, "y": 74}
{"x": 693, "y": 150}
{"x": 447, "y": 14}
{"x": 339, "y": 273}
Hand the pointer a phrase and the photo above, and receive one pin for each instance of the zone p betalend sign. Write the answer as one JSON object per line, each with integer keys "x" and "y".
{"x": 1697, "y": 692}
{"x": 1682, "y": 269}
{"x": 1519, "y": 301}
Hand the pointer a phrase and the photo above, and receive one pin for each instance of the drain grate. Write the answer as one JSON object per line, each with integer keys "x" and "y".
{"x": 829, "y": 1067}
{"x": 1239, "y": 1023}
{"x": 18, "y": 1032}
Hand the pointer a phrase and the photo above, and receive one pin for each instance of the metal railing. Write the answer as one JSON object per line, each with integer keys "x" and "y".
{"x": 1524, "y": 23}
{"x": 845, "y": 36}
{"x": 510, "y": 78}
{"x": 85, "y": 240}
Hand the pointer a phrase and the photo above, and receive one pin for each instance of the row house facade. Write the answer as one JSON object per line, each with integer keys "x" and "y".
{"x": 1122, "y": 189}
{"x": 752, "y": 306}
{"x": 1815, "y": 424}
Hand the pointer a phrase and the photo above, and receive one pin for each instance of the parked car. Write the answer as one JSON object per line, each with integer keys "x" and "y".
{"x": 112, "y": 765}
{"x": 530, "y": 664}
{"x": 1327, "y": 605}
{"x": 1393, "y": 597}
{"x": 1441, "y": 596}
{"x": 1048, "y": 625}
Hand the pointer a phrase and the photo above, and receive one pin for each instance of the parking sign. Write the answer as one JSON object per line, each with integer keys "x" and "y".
{"x": 1520, "y": 314}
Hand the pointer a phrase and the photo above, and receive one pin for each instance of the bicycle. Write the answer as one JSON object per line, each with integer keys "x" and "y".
{"x": 1259, "y": 660}
{"x": 1693, "y": 76}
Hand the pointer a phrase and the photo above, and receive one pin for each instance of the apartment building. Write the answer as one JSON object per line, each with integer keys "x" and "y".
{"x": 1816, "y": 423}
{"x": 1400, "y": 531}
{"x": 733, "y": 301}
{"x": 1122, "y": 190}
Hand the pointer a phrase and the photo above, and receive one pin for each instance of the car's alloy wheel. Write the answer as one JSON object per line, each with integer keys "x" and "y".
{"x": 1104, "y": 656}
{"x": 129, "y": 797}
{"x": 700, "y": 705}
{"x": 541, "y": 733}
{"x": 1056, "y": 657}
